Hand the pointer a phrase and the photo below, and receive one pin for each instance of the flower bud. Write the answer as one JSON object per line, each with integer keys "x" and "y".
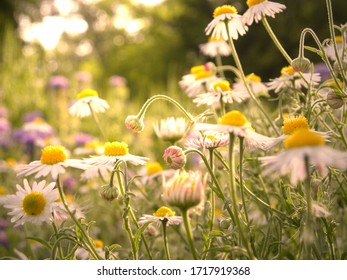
{"x": 174, "y": 157}
{"x": 333, "y": 100}
{"x": 109, "y": 192}
{"x": 224, "y": 224}
{"x": 337, "y": 67}
{"x": 301, "y": 64}
{"x": 134, "y": 124}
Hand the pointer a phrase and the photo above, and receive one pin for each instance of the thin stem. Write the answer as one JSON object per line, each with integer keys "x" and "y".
{"x": 219, "y": 64}
{"x": 96, "y": 120}
{"x": 166, "y": 246}
{"x": 91, "y": 245}
{"x": 60, "y": 251}
{"x": 241, "y": 179}
{"x": 189, "y": 233}
{"x": 232, "y": 185}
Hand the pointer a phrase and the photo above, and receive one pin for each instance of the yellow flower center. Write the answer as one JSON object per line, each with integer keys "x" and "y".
{"x": 285, "y": 71}
{"x": 153, "y": 168}
{"x": 211, "y": 137}
{"x": 221, "y": 85}
{"x": 203, "y": 74}
{"x": 233, "y": 118}
{"x": 290, "y": 125}
{"x": 38, "y": 121}
{"x": 225, "y": 9}
{"x": 53, "y": 154}
{"x": 303, "y": 137}
{"x": 92, "y": 144}
{"x": 197, "y": 69}
{"x": 116, "y": 149}
{"x": 87, "y": 93}
{"x": 338, "y": 39}
{"x": 251, "y": 3}
{"x": 3, "y": 190}
{"x": 98, "y": 243}
{"x": 253, "y": 78}
{"x": 164, "y": 211}
{"x": 34, "y": 203}
{"x": 214, "y": 39}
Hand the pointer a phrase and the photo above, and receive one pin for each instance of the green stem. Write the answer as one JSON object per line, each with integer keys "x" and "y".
{"x": 91, "y": 246}
{"x": 61, "y": 256}
{"x": 189, "y": 233}
{"x": 166, "y": 247}
{"x": 241, "y": 179}
{"x": 96, "y": 120}
{"x": 232, "y": 185}
{"x": 329, "y": 239}
{"x": 246, "y": 84}
{"x": 219, "y": 64}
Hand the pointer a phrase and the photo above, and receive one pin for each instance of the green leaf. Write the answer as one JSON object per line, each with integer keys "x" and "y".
{"x": 138, "y": 234}
{"x": 317, "y": 51}
{"x": 42, "y": 242}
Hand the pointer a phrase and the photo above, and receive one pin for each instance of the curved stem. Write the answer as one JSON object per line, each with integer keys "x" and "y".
{"x": 166, "y": 247}
{"x": 96, "y": 120}
{"x": 91, "y": 245}
{"x": 189, "y": 233}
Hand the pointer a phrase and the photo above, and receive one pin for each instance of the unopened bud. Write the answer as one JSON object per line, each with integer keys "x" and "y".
{"x": 175, "y": 157}
{"x": 301, "y": 64}
{"x": 333, "y": 100}
{"x": 337, "y": 67}
{"x": 109, "y": 192}
{"x": 134, "y": 124}
{"x": 224, "y": 224}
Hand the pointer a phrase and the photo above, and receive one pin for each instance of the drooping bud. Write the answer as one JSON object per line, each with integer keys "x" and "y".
{"x": 333, "y": 100}
{"x": 109, "y": 192}
{"x": 134, "y": 124}
{"x": 301, "y": 64}
{"x": 175, "y": 157}
{"x": 337, "y": 67}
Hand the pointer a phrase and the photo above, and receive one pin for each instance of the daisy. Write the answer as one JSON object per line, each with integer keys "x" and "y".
{"x": 175, "y": 157}
{"x": 185, "y": 189}
{"x": 330, "y": 50}
{"x": 114, "y": 151}
{"x": 163, "y": 214}
{"x": 289, "y": 79}
{"x": 53, "y": 161}
{"x": 226, "y": 15}
{"x": 259, "y": 8}
{"x": 154, "y": 171}
{"x": 209, "y": 140}
{"x": 255, "y": 83}
{"x": 171, "y": 129}
{"x": 215, "y": 47}
{"x": 219, "y": 92}
{"x": 88, "y": 100}
{"x": 95, "y": 171}
{"x": 301, "y": 146}
{"x": 32, "y": 204}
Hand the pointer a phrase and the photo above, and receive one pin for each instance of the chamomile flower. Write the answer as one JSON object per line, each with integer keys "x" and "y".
{"x": 224, "y": 16}
{"x": 259, "y": 8}
{"x": 161, "y": 215}
{"x": 290, "y": 79}
{"x": 114, "y": 151}
{"x": 32, "y": 204}
{"x": 171, "y": 129}
{"x": 255, "y": 83}
{"x": 88, "y": 100}
{"x": 208, "y": 140}
{"x": 330, "y": 50}
{"x": 154, "y": 171}
{"x": 53, "y": 161}
{"x": 215, "y": 47}
{"x": 301, "y": 146}
{"x": 220, "y": 91}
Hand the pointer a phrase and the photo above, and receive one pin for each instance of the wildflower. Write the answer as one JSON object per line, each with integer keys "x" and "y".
{"x": 290, "y": 79}
{"x": 259, "y": 8}
{"x": 224, "y": 16}
{"x": 175, "y": 157}
{"x": 53, "y": 161}
{"x": 215, "y": 47}
{"x": 255, "y": 83}
{"x": 304, "y": 145}
{"x": 301, "y": 64}
{"x": 89, "y": 147}
{"x": 95, "y": 171}
{"x": 171, "y": 129}
{"x": 220, "y": 91}
{"x": 134, "y": 124}
{"x": 88, "y": 100}
{"x": 210, "y": 140}
{"x": 163, "y": 214}
{"x": 58, "y": 82}
{"x": 185, "y": 189}
{"x": 32, "y": 204}
{"x": 330, "y": 50}
{"x": 114, "y": 151}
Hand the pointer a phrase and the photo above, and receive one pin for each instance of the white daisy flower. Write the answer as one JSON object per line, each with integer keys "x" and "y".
{"x": 114, "y": 151}
{"x": 255, "y": 83}
{"x": 154, "y": 171}
{"x": 95, "y": 171}
{"x": 302, "y": 145}
{"x": 290, "y": 79}
{"x": 171, "y": 129}
{"x": 88, "y": 99}
{"x": 215, "y": 47}
{"x": 208, "y": 140}
{"x": 259, "y": 8}
{"x": 163, "y": 214}
{"x": 32, "y": 204}
{"x": 220, "y": 91}
{"x": 53, "y": 161}
{"x": 330, "y": 50}
{"x": 90, "y": 147}
{"x": 223, "y": 15}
